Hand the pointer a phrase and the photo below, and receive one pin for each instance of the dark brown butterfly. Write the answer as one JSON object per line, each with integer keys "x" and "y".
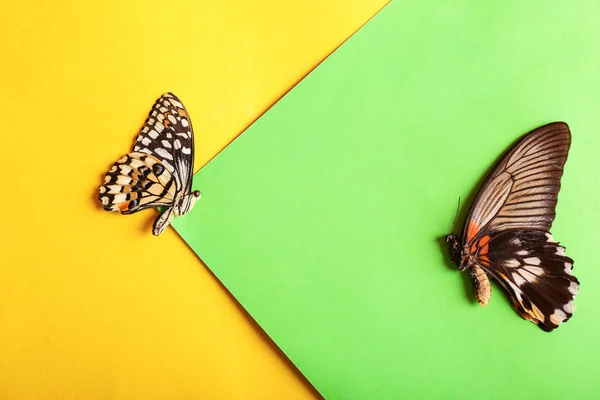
{"x": 507, "y": 232}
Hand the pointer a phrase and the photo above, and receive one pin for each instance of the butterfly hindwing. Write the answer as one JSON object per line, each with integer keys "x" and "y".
{"x": 535, "y": 273}
{"x": 136, "y": 182}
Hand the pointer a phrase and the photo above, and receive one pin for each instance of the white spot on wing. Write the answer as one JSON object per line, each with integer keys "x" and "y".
{"x": 177, "y": 144}
{"x": 153, "y": 134}
{"x": 184, "y": 122}
{"x": 573, "y": 287}
{"x": 123, "y": 180}
{"x": 136, "y": 163}
{"x": 569, "y": 307}
{"x": 172, "y": 119}
{"x": 163, "y": 153}
{"x": 114, "y": 189}
{"x": 166, "y": 143}
{"x": 533, "y": 261}
{"x": 550, "y": 238}
{"x": 560, "y": 251}
{"x": 518, "y": 279}
{"x": 119, "y": 198}
{"x": 529, "y": 277}
{"x": 186, "y": 150}
{"x": 512, "y": 263}
{"x": 534, "y": 270}
{"x": 146, "y": 141}
{"x": 522, "y": 252}
{"x": 558, "y": 317}
{"x": 176, "y": 103}
{"x": 515, "y": 241}
{"x": 568, "y": 268}
{"x": 168, "y": 165}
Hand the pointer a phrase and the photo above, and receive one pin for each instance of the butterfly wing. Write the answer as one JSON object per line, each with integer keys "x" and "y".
{"x": 534, "y": 270}
{"x": 136, "y": 182}
{"x": 167, "y": 135}
{"x": 522, "y": 190}
{"x": 507, "y": 229}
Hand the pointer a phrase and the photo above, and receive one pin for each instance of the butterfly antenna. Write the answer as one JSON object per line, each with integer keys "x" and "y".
{"x": 456, "y": 216}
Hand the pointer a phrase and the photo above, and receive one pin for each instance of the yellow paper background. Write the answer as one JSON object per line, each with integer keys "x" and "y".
{"x": 92, "y": 306}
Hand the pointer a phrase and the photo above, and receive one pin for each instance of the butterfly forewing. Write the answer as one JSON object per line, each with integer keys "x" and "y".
{"x": 522, "y": 190}
{"x": 168, "y": 136}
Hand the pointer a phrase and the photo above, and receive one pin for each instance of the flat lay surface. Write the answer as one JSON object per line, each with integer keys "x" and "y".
{"x": 325, "y": 218}
{"x": 92, "y": 306}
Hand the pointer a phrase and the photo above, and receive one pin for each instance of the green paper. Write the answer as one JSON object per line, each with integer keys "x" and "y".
{"x": 324, "y": 218}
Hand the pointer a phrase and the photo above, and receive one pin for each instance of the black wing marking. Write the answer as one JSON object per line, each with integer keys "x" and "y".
{"x": 168, "y": 136}
{"x": 522, "y": 190}
{"x": 136, "y": 182}
{"x": 535, "y": 273}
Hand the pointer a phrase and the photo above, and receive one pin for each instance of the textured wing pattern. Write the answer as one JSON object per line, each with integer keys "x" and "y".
{"x": 522, "y": 190}
{"x": 136, "y": 182}
{"x": 168, "y": 136}
{"x": 534, "y": 271}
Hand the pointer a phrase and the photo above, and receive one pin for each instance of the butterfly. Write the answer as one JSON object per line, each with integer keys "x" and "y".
{"x": 507, "y": 232}
{"x": 158, "y": 172}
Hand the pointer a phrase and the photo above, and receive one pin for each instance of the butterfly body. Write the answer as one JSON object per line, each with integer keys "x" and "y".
{"x": 465, "y": 260}
{"x": 506, "y": 236}
{"x": 158, "y": 172}
{"x": 483, "y": 288}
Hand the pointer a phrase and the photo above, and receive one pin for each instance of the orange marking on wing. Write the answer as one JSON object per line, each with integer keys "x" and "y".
{"x": 484, "y": 250}
{"x": 485, "y": 261}
{"x": 484, "y": 240}
{"x": 124, "y": 206}
{"x": 472, "y": 230}
{"x": 474, "y": 248}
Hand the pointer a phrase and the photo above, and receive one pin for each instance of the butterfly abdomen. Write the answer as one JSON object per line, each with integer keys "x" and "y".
{"x": 483, "y": 289}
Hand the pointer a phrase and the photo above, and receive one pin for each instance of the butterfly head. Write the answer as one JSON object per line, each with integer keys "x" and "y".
{"x": 454, "y": 243}
{"x": 454, "y": 247}
{"x": 185, "y": 204}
